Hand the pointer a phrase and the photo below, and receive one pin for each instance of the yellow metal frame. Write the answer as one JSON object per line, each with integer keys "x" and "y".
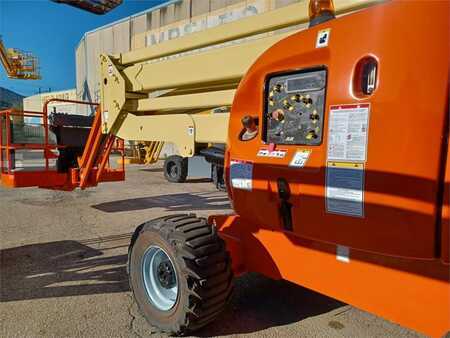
{"x": 152, "y": 151}
{"x": 287, "y": 16}
{"x": 200, "y": 78}
{"x": 184, "y": 130}
{"x": 143, "y": 152}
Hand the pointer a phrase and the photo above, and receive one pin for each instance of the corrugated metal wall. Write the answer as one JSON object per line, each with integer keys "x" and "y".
{"x": 36, "y": 102}
{"x": 175, "y": 19}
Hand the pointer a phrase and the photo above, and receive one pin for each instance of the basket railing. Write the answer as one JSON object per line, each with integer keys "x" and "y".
{"x": 30, "y": 152}
{"x": 24, "y": 131}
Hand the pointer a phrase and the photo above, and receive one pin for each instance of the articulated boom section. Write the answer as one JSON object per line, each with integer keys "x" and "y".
{"x": 154, "y": 94}
{"x": 170, "y": 92}
{"x": 55, "y": 155}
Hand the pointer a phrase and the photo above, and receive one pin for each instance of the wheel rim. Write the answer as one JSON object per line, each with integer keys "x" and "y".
{"x": 160, "y": 278}
{"x": 173, "y": 170}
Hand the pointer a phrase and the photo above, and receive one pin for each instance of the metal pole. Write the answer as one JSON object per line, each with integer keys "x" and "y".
{"x": 8, "y": 142}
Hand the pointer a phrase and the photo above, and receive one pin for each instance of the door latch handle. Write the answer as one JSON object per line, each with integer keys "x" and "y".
{"x": 284, "y": 193}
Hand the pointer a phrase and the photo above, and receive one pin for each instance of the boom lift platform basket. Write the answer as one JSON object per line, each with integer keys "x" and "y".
{"x": 31, "y": 155}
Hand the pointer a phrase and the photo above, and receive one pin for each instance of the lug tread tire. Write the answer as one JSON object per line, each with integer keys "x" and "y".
{"x": 183, "y": 166}
{"x": 205, "y": 264}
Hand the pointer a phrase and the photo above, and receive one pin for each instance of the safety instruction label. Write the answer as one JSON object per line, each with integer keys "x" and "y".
{"x": 347, "y": 132}
{"x": 241, "y": 174}
{"x": 345, "y": 188}
{"x": 300, "y": 158}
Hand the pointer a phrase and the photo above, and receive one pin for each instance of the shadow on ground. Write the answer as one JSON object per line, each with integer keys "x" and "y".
{"x": 152, "y": 170}
{"x": 198, "y": 180}
{"x": 63, "y": 268}
{"x": 173, "y": 202}
{"x": 71, "y": 268}
{"x": 260, "y": 303}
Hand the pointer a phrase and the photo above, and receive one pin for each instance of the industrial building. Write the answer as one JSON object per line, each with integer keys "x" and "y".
{"x": 36, "y": 102}
{"x": 168, "y": 21}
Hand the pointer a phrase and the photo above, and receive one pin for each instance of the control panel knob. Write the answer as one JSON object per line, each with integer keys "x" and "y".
{"x": 278, "y": 115}
{"x": 297, "y": 98}
{"x": 307, "y": 101}
{"x": 278, "y": 88}
{"x": 314, "y": 116}
{"x": 287, "y": 105}
{"x": 311, "y": 135}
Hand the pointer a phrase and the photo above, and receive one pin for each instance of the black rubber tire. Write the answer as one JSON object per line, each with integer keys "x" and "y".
{"x": 176, "y": 169}
{"x": 202, "y": 265}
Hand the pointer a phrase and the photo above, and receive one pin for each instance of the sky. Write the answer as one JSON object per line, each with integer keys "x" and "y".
{"x": 51, "y": 31}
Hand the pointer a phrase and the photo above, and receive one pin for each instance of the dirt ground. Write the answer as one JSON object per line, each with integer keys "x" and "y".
{"x": 63, "y": 272}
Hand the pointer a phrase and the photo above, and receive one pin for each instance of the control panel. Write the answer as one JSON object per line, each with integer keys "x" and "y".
{"x": 295, "y": 105}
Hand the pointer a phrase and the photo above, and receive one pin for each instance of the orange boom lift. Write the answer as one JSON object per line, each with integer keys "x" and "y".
{"x": 337, "y": 166}
{"x": 19, "y": 64}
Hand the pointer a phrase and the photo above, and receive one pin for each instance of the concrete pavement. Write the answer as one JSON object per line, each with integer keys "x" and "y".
{"x": 63, "y": 272}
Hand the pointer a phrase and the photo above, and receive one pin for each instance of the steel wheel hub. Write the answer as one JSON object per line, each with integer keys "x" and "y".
{"x": 173, "y": 170}
{"x": 166, "y": 275}
{"x": 160, "y": 279}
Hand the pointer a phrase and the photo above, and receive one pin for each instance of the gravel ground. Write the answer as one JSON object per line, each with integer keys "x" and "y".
{"x": 63, "y": 272}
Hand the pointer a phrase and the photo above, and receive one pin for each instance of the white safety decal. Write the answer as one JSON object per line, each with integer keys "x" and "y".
{"x": 323, "y": 37}
{"x": 105, "y": 115}
{"x": 190, "y": 131}
{"x": 273, "y": 153}
{"x": 347, "y": 132}
{"x": 300, "y": 158}
{"x": 241, "y": 174}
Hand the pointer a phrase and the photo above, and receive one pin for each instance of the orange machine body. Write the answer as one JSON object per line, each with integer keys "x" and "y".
{"x": 392, "y": 259}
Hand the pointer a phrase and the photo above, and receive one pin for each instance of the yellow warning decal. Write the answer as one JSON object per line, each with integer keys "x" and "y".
{"x": 352, "y": 165}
